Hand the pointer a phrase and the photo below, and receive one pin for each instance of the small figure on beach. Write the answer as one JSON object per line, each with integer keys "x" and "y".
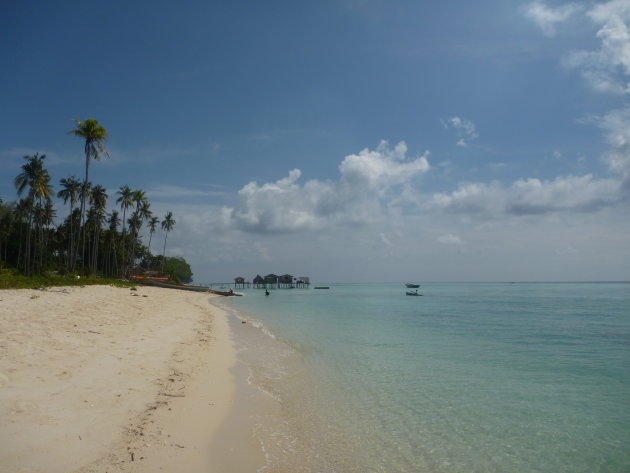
{"x": 266, "y": 292}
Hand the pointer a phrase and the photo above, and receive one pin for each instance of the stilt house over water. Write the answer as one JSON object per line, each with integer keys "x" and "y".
{"x": 271, "y": 281}
{"x": 286, "y": 280}
{"x": 302, "y": 281}
{"x": 259, "y": 281}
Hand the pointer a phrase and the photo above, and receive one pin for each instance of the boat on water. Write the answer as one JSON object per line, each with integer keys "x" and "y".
{"x": 411, "y": 285}
{"x": 321, "y": 287}
{"x": 224, "y": 293}
{"x": 413, "y": 293}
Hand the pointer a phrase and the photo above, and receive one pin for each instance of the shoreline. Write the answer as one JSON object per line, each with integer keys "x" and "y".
{"x": 95, "y": 379}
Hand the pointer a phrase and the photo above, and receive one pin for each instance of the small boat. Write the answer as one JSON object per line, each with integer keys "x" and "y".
{"x": 224, "y": 293}
{"x": 321, "y": 287}
{"x": 168, "y": 285}
{"x": 139, "y": 279}
{"x": 412, "y": 285}
{"x": 412, "y": 293}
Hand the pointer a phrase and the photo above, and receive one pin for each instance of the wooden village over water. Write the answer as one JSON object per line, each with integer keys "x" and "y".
{"x": 272, "y": 281}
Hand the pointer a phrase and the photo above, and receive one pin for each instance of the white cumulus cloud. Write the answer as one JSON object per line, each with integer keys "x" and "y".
{"x": 616, "y": 126}
{"x": 607, "y": 68}
{"x": 530, "y": 197}
{"x": 369, "y": 181}
{"x": 547, "y": 17}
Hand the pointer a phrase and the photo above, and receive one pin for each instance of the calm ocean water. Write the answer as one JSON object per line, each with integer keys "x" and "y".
{"x": 468, "y": 378}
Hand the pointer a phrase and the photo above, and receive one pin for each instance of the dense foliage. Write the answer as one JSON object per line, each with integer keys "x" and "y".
{"x": 89, "y": 241}
{"x": 176, "y": 268}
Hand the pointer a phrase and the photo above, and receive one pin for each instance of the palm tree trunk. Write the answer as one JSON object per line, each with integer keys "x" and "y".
{"x": 83, "y": 197}
{"x": 80, "y": 229}
{"x": 123, "y": 241}
{"x": 71, "y": 242}
{"x": 164, "y": 250}
{"x": 150, "y": 236}
{"x": 21, "y": 224}
{"x": 27, "y": 257}
{"x": 41, "y": 247}
{"x": 97, "y": 235}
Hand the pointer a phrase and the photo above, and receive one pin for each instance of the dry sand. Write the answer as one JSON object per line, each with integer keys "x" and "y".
{"x": 104, "y": 379}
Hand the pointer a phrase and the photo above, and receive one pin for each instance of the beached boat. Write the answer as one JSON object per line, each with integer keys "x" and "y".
{"x": 224, "y": 293}
{"x": 412, "y": 285}
{"x": 412, "y": 293}
{"x": 142, "y": 278}
{"x": 168, "y": 285}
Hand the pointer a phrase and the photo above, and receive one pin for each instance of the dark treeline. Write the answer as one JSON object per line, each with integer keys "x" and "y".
{"x": 90, "y": 240}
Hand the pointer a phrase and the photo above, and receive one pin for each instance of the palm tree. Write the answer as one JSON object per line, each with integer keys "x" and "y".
{"x": 43, "y": 216}
{"x": 125, "y": 200}
{"x": 38, "y": 219}
{"x": 94, "y": 136}
{"x": 142, "y": 210}
{"x": 37, "y": 179}
{"x": 134, "y": 223}
{"x": 152, "y": 224}
{"x": 22, "y": 210}
{"x": 70, "y": 188}
{"x": 7, "y": 225}
{"x": 167, "y": 225}
{"x": 48, "y": 219}
{"x": 113, "y": 222}
{"x": 98, "y": 199}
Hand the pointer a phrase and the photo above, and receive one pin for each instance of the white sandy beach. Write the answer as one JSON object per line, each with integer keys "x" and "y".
{"x": 104, "y": 379}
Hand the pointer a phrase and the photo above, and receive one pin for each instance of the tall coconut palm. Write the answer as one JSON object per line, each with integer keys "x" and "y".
{"x": 167, "y": 225}
{"x": 38, "y": 220}
{"x": 142, "y": 210}
{"x": 22, "y": 210}
{"x": 152, "y": 224}
{"x": 145, "y": 211}
{"x": 113, "y": 222}
{"x": 48, "y": 219}
{"x": 70, "y": 189}
{"x": 134, "y": 223}
{"x": 37, "y": 179}
{"x": 98, "y": 200}
{"x": 94, "y": 135}
{"x": 125, "y": 200}
{"x": 7, "y": 225}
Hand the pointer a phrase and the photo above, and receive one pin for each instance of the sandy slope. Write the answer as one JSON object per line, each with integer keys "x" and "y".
{"x": 99, "y": 379}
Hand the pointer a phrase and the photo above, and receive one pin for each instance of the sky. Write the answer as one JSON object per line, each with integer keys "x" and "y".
{"x": 345, "y": 140}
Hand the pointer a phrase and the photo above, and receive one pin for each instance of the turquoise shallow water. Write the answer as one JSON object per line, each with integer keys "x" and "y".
{"x": 468, "y": 378}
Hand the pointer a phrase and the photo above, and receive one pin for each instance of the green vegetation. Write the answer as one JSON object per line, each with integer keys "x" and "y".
{"x": 38, "y": 250}
{"x": 13, "y": 279}
{"x": 178, "y": 270}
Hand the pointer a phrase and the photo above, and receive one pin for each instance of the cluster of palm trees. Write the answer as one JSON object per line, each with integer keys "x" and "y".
{"x": 89, "y": 239}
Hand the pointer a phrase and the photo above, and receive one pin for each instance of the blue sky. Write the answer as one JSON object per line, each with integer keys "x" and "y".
{"x": 348, "y": 140}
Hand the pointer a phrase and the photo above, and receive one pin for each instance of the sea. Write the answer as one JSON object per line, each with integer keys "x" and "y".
{"x": 467, "y": 378}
